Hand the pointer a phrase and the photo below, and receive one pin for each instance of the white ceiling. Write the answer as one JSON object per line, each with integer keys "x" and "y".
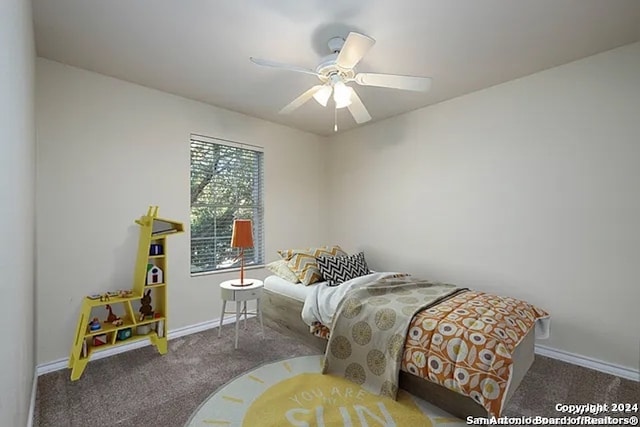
{"x": 200, "y": 49}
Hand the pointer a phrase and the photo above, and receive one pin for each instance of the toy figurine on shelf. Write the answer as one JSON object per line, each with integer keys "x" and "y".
{"x": 125, "y": 293}
{"x": 94, "y": 325}
{"x": 112, "y": 318}
{"x": 155, "y": 275}
{"x": 105, "y": 297}
{"x": 145, "y": 308}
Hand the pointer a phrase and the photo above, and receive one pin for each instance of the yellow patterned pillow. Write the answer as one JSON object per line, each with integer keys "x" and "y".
{"x": 320, "y": 251}
{"x": 303, "y": 261}
{"x": 280, "y": 269}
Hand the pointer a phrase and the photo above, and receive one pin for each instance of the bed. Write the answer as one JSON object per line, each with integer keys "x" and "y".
{"x": 282, "y": 308}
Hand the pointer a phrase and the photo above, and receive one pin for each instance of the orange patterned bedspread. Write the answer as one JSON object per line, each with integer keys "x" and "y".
{"x": 466, "y": 344}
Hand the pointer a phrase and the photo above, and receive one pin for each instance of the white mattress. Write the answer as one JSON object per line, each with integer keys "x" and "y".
{"x": 297, "y": 291}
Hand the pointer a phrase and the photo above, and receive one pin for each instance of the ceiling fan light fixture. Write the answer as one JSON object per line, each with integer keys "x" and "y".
{"x": 322, "y": 96}
{"x": 341, "y": 95}
{"x": 337, "y": 68}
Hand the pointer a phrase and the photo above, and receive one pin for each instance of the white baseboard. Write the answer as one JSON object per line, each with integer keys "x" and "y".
{"x": 588, "y": 362}
{"x": 60, "y": 364}
{"x": 565, "y": 356}
{"x": 32, "y": 404}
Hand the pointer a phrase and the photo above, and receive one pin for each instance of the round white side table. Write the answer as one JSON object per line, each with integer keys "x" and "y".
{"x": 241, "y": 294}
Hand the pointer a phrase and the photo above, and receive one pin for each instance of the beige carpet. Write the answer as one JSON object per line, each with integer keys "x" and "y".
{"x": 140, "y": 388}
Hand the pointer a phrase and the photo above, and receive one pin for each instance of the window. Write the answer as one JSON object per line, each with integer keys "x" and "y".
{"x": 226, "y": 184}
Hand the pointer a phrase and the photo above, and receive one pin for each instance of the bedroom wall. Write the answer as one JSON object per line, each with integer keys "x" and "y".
{"x": 17, "y": 211}
{"x": 528, "y": 189}
{"x": 106, "y": 150}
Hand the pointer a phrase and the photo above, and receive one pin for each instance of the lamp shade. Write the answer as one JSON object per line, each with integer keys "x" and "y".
{"x": 323, "y": 95}
{"x": 242, "y": 236}
{"x": 341, "y": 95}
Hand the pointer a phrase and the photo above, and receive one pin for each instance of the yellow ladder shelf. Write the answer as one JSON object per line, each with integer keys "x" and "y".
{"x": 150, "y": 279}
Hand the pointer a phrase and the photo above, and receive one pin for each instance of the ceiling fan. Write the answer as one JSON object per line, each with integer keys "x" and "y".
{"x": 337, "y": 69}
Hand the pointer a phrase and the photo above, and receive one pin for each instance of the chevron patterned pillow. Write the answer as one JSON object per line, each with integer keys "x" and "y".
{"x": 303, "y": 261}
{"x": 339, "y": 269}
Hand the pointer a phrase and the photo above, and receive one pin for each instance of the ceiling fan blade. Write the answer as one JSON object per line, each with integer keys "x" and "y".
{"x": 299, "y": 101}
{"x": 418, "y": 84}
{"x": 355, "y": 47}
{"x": 289, "y": 67}
{"x": 357, "y": 108}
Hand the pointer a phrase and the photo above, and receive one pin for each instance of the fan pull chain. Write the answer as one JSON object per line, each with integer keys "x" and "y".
{"x": 335, "y": 120}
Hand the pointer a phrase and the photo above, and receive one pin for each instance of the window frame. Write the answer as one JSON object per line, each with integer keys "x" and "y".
{"x": 258, "y": 228}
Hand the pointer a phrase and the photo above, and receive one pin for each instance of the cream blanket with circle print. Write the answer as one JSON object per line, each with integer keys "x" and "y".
{"x": 370, "y": 327}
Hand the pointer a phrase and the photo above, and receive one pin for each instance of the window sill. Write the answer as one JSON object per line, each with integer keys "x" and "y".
{"x": 226, "y": 270}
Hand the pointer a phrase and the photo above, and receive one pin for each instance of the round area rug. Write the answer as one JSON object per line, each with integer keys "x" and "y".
{"x": 294, "y": 393}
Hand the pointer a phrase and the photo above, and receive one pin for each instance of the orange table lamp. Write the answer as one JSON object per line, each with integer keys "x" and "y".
{"x": 242, "y": 237}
